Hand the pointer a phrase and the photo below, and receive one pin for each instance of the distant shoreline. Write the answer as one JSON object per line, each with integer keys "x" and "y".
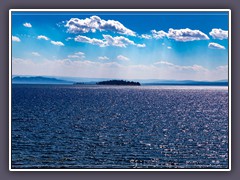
{"x": 117, "y": 82}
{"x": 120, "y": 85}
{"x": 185, "y": 85}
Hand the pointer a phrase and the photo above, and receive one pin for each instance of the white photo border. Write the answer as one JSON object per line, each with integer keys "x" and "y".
{"x": 120, "y": 10}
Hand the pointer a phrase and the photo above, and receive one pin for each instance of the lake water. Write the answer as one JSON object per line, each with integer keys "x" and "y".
{"x": 64, "y": 126}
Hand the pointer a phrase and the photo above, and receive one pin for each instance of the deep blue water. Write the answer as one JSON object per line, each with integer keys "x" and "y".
{"x": 57, "y": 126}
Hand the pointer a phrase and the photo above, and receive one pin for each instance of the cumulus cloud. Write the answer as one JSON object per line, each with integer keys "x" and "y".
{"x": 28, "y": 25}
{"x": 158, "y": 34}
{"x": 95, "y": 23}
{"x": 215, "y": 46}
{"x": 35, "y": 54}
{"x": 118, "y": 41}
{"x": 122, "y": 58}
{"x": 93, "y": 41}
{"x": 219, "y": 34}
{"x": 15, "y": 39}
{"x": 103, "y": 58}
{"x": 187, "y": 34}
{"x": 183, "y": 35}
{"x": 146, "y": 36}
{"x": 79, "y": 55}
{"x": 57, "y": 43}
{"x": 43, "y": 37}
{"x": 141, "y": 45}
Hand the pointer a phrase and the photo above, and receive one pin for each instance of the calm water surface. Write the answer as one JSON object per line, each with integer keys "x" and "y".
{"x": 56, "y": 126}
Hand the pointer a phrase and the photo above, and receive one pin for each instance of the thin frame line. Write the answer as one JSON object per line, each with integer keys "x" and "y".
{"x": 120, "y": 10}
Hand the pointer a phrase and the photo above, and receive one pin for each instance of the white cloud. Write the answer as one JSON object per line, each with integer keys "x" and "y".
{"x": 169, "y": 47}
{"x": 103, "y": 58}
{"x": 73, "y": 56}
{"x": 183, "y": 35}
{"x": 122, "y": 58}
{"x": 215, "y": 46}
{"x": 187, "y": 34}
{"x": 141, "y": 45}
{"x": 28, "y": 25}
{"x": 196, "y": 68}
{"x": 93, "y": 41}
{"x": 35, "y": 54}
{"x": 164, "y": 63}
{"x": 79, "y": 55}
{"x": 219, "y": 34}
{"x": 43, "y": 37}
{"x": 15, "y": 39}
{"x": 64, "y": 67}
{"x": 95, "y": 23}
{"x": 158, "y": 34}
{"x": 222, "y": 68}
{"x": 69, "y": 38}
{"x": 106, "y": 69}
{"x": 118, "y": 41}
{"x": 57, "y": 43}
{"x": 146, "y": 36}
{"x": 182, "y": 68}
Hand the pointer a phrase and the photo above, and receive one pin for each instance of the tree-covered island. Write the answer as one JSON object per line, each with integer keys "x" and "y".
{"x": 119, "y": 82}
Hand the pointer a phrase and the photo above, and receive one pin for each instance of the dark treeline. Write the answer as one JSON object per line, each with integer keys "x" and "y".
{"x": 118, "y": 82}
{"x": 78, "y": 83}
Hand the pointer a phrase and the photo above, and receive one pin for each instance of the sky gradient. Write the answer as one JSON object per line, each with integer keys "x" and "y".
{"x": 122, "y": 45}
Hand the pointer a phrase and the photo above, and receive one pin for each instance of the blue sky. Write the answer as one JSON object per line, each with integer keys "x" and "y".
{"x": 125, "y": 45}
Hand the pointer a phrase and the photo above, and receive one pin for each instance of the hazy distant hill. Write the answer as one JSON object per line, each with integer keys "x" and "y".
{"x": 38, "y": 80}
{"x": 189, "y": 82}
{"x": 91, "y": 81}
